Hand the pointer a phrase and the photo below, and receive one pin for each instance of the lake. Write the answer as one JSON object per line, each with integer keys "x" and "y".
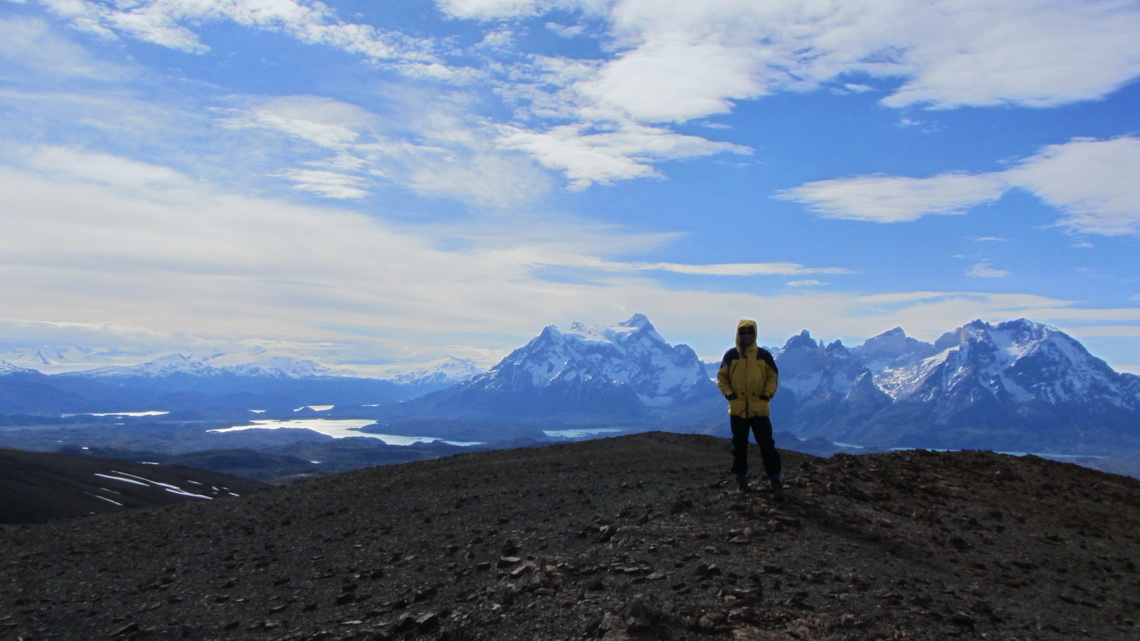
{"x": 340, "y": 428}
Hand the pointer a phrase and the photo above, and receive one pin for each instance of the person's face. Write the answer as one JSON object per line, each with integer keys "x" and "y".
{"x": 747, "y": 335}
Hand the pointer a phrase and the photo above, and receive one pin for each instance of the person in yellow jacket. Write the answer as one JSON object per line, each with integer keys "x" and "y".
{"x": 748, "y": 378}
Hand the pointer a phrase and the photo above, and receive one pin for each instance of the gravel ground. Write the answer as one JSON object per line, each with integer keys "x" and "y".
{"x": 636, "y": 537}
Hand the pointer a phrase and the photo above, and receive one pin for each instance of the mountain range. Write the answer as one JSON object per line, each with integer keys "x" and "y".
{"x": 177, "y": 382}
{"x": 1013, "y": 386}
{"x": 1018, "y": 385}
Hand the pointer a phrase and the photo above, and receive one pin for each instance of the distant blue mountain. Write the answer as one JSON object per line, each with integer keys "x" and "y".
{"x": 1015, "y": 386}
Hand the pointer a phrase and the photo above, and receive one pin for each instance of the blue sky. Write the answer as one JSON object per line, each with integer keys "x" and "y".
{"x": 379, "y": 183}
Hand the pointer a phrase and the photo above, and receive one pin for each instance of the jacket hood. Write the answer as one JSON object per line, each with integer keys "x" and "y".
{"x": 745, "y": 323}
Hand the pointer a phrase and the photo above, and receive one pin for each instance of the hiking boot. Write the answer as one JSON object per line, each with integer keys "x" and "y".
{"x": 742, "y": 483}
{"x": 778, "y": 491}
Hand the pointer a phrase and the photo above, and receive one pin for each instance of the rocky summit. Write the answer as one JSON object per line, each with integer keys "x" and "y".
{"x": 637, "y": 537}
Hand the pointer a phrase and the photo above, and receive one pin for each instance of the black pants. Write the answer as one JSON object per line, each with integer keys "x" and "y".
{"x": 761, "y": 427}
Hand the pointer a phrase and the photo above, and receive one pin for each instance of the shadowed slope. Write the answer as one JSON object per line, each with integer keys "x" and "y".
{"x": 38, "y": 486}
{"x": 635, "y": 537}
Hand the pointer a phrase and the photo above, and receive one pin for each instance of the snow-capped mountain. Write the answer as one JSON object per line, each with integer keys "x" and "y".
{"x": 624, "y": 372}
{"x": 811, "y": 369}
{"x": 280, "y": 367}
{"x": 207, "y": 366}
{"x": 47, "y": 359}
{"x": 441, "y": 373}
{"x": 1016, "y": 385}
{"x": 824, "y": 387}
{"x": 1016, "y": 362}
{"x": 8, "y": 369}
{"x": 891, "y": 349}
{"x": 630, "y": 353}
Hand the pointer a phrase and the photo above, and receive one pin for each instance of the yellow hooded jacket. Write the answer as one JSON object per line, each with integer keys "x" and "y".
{"x": 747, "y": 378}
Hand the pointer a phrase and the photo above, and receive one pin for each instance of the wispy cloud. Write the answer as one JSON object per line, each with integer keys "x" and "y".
{"x": 728, "y": 269}
{"x": 394, "y": 199}
{"x": 587, "y": 155}
{"x": 430, "y": 147}
{"x": 145, "y": 247}
{"x": 1091, "y": 182}
{"x": 173, "y": 24}
{"x": 810, "y": 282}
{"x": 985, "y": 269}
{"x": 674, "y": 61}
{"x": 892, "y": 199}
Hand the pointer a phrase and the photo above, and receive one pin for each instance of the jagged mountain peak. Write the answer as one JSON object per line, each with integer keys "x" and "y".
{"x": 891, "y": 342}
{"x": 1020, "y": 331}
{"x": 8, "y": 369}
{"x": 1020, "y": 361}
{"x": 637, "y": 326}
{"x": 837, "y": 349}
{"x": 622, "y": 369}
{"x": 803, "y": 340}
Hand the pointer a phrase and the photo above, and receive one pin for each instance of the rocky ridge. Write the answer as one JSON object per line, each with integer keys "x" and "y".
{"x": 637, "y": 537}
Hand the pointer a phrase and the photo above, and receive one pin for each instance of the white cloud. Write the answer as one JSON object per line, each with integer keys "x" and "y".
{"x": 892, "y": 199}
{"x": 322, "y": 121}
{"x": 722, "y": 269}
{"x": 588, "y": 156}
{"x": 144, "y": 247}
{"x": 488, "y": 9}
{"x": 329, "y": 184}
{"x": 113, "y": 171}
{"x": 985, "y": 269}
{"x": 1027, "y": 52}
{"x": 429, "y": 147}
{"x": 132, "y": 252}
{"x": 566, "y": 31}
{"x": 1093, "y": 183}
{"x": 671, "y": 80}
{"x": 678, "y": 60}
{"x": 962, "y": 52}
{"x": 673, "y": 61}
{"x": 170, "y": 23}
{"x": 501, "y": 9}
{"x": 489, "y": 180}
{"x": 32, "y": 44}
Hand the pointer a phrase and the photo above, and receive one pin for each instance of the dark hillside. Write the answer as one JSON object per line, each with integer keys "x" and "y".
{"x": 37, "y": 486}
{"x": 637, "y": 537}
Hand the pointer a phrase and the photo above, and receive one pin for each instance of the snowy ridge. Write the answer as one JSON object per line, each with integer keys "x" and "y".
{"x": 630, "y": 353}
{"x": 8, "y": 369}
{"x": 203, "y": 366}
{"x": 446, "y": 371}
{"x": 1017, "y": 385}
{"x": 1019, "y": 361}
{"x": 809, "y": 368}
